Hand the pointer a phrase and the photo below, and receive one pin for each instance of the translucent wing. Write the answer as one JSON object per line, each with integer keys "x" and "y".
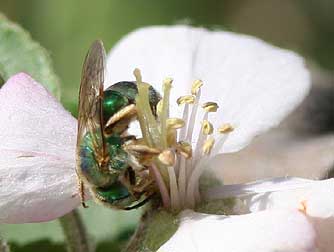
{"x": 90, "y": 100}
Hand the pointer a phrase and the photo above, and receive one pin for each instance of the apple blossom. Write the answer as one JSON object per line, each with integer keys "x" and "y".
{"x": 248, "y": 87}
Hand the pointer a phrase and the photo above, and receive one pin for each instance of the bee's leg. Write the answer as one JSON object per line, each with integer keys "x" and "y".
{"x": 81, "y": 190}
{"x": 128, "y": 138}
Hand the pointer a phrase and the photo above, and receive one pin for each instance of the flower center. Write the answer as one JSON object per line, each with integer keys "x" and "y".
{"x": 178, "y": 166}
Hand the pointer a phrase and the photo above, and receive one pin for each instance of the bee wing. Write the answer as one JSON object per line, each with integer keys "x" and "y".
{"x": 90, "y": 117}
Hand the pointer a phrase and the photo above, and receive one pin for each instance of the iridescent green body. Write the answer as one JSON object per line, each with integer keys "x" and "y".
{"x": 106, "y": 183}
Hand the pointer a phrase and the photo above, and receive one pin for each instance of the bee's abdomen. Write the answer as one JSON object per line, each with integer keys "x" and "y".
{"x": 90, "y": 168}
{"x": 116, "y": 195}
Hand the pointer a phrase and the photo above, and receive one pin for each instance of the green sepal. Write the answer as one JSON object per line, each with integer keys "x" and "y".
{"x": 156, "y": 227}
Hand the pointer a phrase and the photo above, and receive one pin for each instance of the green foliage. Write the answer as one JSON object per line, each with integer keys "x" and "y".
{"x": 108, "y": 229}
{"x": 40, "y": 245}
{"x": 19, "y": 53}
{"x": 2, "y": 81}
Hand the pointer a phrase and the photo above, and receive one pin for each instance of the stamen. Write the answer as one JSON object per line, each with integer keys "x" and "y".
{"x": 201, "y": 139}
{"x": 191, "y": 123}
{"x": 175, "y": 123}
{"x": 303, "y": 206}
{"x": 146, "y": 119}
{"x": 168, "y": 82}
{"x": 181, "y": 137}
{"x": 220, "y": 143}
{"x": 167, "y": 157}
{"x": 193, "y": 182}
{"x": 185, "y": 116}
{"x": 173, "y": 161}
{"x": 148, "y": 124}
{"x": 225, "y": 128}
{"x": 167, "y": 85}
{"x": 184, "y": 149}
{"x": 171, "y": 137}
{"x": 207, "y": 128}
{"x": 161, "y": 185}
{"x": 174, "y": 191}
{"x": 196, "y": 87}
{"x": 182, "y": 180}
{"x": 159, "y": 107}
{"x": 210, "y": 106}
{"x": 137, "y": 75}
{"x": 186, "y": 99}
{"x": 208, "y": 145}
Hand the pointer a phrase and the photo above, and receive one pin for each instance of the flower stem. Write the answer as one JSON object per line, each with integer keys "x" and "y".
{"x": 75, "y": 233}
{"x": 155, "y": 228}
{"x": 4, "y": 246}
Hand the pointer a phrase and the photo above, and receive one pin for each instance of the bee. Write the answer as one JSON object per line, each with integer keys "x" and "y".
{"x": 104, "y": 116}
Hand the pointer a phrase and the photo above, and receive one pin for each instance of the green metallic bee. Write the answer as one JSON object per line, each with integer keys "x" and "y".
{"x": 104, "y": 117}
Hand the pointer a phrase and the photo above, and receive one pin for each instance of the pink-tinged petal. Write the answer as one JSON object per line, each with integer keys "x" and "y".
{"x": 266, "y": 231}
{"x": 314, "y": 198}
{"x": 254, "y": 83}
{"x": 37, "y": 153}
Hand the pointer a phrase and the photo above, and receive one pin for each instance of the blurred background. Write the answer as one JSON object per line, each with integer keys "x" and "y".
{"x": 67, "y": 28}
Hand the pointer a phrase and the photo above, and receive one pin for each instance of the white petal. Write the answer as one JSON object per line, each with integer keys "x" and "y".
{"x": 266, "y": 231}
{"x": 277, "y": 154}
{"x": 256, "y": 84}
{"x": 315, "y": 198}
{"x": 37, "y": 154}
{"x": 257, "y": 187}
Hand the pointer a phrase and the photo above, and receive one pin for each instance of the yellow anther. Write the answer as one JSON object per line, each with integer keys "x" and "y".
{"x": 303, "y": 206}
{"x": 187, "y": 99}
{"x": 167, "y": 157}
{"x": 225, "y": 128}
{"x": 210, "y": 106}
{"x": 175, "y": 123}
{"x": 197, "y": 84}
{"x": 207, "y": 127}
{"x": 208, "y": 145}
{"x": 184, "y": 149}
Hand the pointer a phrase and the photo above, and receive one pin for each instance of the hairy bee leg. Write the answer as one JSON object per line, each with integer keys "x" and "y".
{"x": 81, "y": 190}
{"x": 126, "y": 138}
{"x": 129, "y": 111}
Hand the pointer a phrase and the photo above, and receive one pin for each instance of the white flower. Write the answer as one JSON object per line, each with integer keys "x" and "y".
{"x": 265, "y": 231}
{"x": 255, "y": 86}
{"x": 37, "y": 154}
{"x": 286, "y": 215}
